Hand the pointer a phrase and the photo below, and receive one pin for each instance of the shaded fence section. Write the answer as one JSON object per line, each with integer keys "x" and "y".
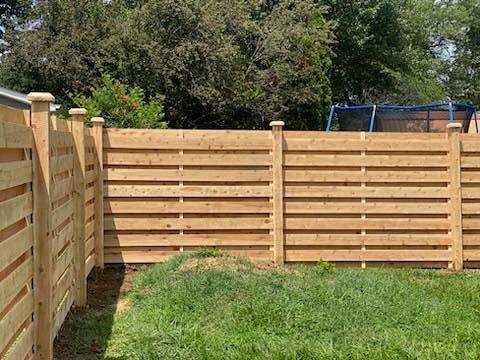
{"x": 47, "y": 224}
{"x": 90, "y": 181}
{"x": 358, "y": 198}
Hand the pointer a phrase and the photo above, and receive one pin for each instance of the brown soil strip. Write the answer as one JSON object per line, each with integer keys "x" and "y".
{"x": 106, "y": 291}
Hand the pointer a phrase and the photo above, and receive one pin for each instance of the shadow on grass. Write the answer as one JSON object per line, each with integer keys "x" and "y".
{"x": 86, "y": 331}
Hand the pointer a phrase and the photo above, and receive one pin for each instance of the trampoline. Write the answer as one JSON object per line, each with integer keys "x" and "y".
{"x": 391, "y": 118}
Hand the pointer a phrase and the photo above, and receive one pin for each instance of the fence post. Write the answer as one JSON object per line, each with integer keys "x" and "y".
{"x": 454, "y": 130}
{"x": 78, "y": 132}
{"x": 42, "y": 247}
{"x": 98, "y": 139}
{"x": 277, "y": 192}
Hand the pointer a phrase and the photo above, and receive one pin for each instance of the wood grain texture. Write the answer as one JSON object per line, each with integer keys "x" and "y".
{"x": 278, "y": 193}
{"x": 456, "y": 194}
{"x": 79, "y": 198}
{"x": 15, "y": 136}
{"x": 147, "y": 191}
{"x": 43, "y": 275}
{"x": 179, "y": 189}
{"x": 15, "y": 173}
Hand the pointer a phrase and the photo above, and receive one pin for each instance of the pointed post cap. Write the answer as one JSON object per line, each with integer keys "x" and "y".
{"x": 277, "y": 123}
{"x": 77, "y": 111}
{"x": 454, "y": 127}
{"x": 40, "y": 97}
{"x": 99, "y": 121}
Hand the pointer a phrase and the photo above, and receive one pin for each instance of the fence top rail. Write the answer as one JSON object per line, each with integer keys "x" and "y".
{"x": 185, "y": 131}
{"x": 366, "y": 135}
{"x": 187, "y": 139}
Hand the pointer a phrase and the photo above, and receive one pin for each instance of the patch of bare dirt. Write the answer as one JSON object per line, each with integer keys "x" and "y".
{"x": 107, "y": 288}
{"x": 230, "y": 263}
{"x": 106, "y": 292}
{"x": 224, "y": 263}
{"x": 122, "y": 305}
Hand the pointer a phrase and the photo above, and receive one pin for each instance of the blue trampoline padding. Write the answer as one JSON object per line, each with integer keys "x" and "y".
{"x": 416, "y": 118}
{"x": 401, "y": 107}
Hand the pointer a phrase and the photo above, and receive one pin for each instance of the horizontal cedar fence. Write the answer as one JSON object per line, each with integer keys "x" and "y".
{"x": 168, "y": 191}
{"x": 72, "y": 198}
{"x": 367, "y": 198}
{"x": 394, "y": 199}
{"x": 90, "y": 178}
{"x": 48, "y": 218}
{"x": 16, "y": 236}
{"x": 61, "y": 224}
{"x": 470, "y": 180}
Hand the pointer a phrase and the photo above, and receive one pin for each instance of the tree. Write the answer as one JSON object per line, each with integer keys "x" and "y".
{"x": 464, "y": 70}
{"x": 63, "y": 50}
{"x": 13, "y": 13}
{"x": 237, "y": 64}
{"x": 243, "y": 63}
{"x": 384, "y": 51}
{"x": 230, "y": 64}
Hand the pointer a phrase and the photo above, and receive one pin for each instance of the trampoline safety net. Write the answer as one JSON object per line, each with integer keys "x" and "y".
{"x": 388, "y": 118}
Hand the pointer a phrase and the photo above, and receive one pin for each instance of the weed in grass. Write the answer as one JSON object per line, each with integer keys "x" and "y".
{"x": 207, "y": 253}
{"x": 324, "y": 266}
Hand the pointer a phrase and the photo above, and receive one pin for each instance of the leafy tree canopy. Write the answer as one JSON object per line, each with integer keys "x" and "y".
{"x": 219, "y": 63}
{"x": 13, "y": 13}
{"x": 385, "y": 51}
{"x": 62, "y": 51}
{"x": 464, "y": 65}
{"x": 243, "y": 63}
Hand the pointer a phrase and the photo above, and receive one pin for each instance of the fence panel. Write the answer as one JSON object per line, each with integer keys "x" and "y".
{"x": 168, "y": 191}
{"x": 470, "y": 178}
{"x": 382, "y": 198}
{"x": 90, "y": 182}
{"x": 367, "y": 198}
{"x": 62, "y": 226}
{"x": 16, "y": 236}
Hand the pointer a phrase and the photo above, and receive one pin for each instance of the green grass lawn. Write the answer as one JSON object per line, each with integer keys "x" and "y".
{"x": 225, "y": 308}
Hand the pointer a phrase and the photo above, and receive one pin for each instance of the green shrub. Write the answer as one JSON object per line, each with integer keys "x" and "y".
{"x": 122, "y": 106}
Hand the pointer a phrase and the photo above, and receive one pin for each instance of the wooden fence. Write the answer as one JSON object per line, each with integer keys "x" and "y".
{"x": 73, "y": 198}
{"x": 16, "y": 237}
{"x": 387, "y": 199}
{"x": 49, "y": 175}
{"x": 177, "y": 190}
